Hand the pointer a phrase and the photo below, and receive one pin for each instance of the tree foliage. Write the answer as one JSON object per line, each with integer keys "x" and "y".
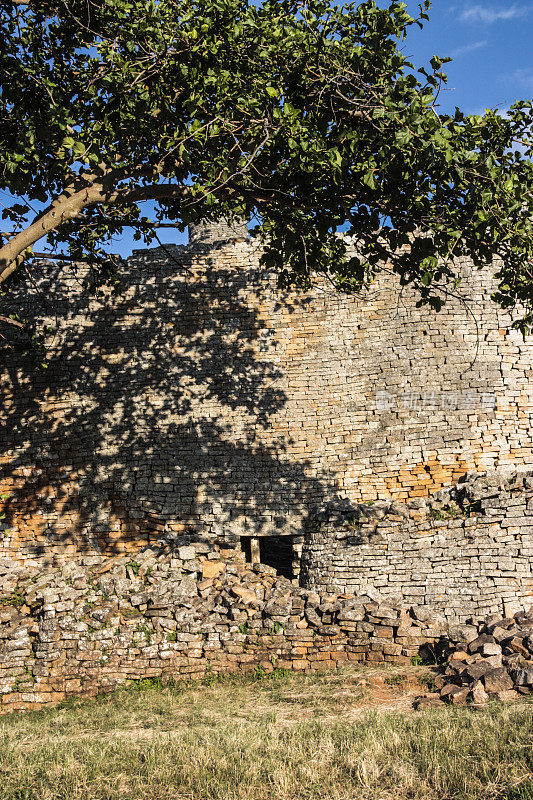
{"x": 303, "y": 114}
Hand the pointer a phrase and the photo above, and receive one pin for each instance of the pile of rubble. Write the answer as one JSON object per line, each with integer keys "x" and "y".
{"x": 491, "y": 659}
{"x": 199, "y": 609}
{"x": 181, "y": 612}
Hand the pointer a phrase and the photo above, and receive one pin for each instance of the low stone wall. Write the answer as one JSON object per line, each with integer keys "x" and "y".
{"x": 467, "y": 551}
{"x": 170, "y": 612}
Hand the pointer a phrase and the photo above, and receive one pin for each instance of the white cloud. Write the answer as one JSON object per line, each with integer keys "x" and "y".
{"x": 468, "y": 48}
{"x": 489, "y": 14}
{"x": 525, "y": 78}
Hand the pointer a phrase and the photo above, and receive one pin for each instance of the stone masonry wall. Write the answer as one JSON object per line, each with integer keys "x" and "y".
{"x": 466, "y": 552}
{"x": 196, "y": 611}
{"x": 202, "y": 398}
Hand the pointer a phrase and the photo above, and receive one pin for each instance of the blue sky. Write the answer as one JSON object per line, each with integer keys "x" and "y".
{"x": 491, "y": 46}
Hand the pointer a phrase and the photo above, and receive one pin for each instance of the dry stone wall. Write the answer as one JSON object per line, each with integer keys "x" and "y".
{"x": 466, "y": 552}
{"x": 185, "y": 613}
{"x": 197, "y": 611}
{"x": 199, "y": 417}
{"x": 200, "y": 398}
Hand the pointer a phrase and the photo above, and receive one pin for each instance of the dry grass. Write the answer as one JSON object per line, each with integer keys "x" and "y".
{"x": 288, "y": 737}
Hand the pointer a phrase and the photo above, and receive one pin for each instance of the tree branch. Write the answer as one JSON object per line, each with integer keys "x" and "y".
{"x": 11, "y": 321}
{"x": 70, "y": 206}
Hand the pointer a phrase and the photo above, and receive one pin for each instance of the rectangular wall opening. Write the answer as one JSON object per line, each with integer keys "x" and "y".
{"x": 274, "y": 551}
{"x": 277, "y": 552}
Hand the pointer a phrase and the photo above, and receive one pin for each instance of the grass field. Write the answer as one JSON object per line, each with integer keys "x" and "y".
{"x": 285, "y": 737}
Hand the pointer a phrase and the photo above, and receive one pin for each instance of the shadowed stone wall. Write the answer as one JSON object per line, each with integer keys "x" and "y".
{"x": 202, "y": 398}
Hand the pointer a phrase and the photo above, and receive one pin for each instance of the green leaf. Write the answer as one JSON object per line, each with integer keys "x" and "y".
{"x": 368, "y": 179}
{"x": 258, "y": 107}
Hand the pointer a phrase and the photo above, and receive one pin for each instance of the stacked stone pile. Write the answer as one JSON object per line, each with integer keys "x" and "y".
{"x": 191, "y": 609}
{"x": 174, "y": 611}
{"x": 491, "y": 659}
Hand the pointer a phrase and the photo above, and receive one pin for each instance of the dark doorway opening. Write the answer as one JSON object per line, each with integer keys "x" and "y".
{"x": 277, "y": 552}
{"x": 274, "y": 551}
{"x": 246, "y": 547}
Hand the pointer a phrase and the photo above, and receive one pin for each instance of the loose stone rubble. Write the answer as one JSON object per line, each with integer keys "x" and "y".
{"x": 492, "y": 658}
{"x": 193, "y": 609}
{"x": 186, "y": 611}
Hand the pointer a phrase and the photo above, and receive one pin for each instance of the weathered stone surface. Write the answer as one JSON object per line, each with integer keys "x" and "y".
{"x": 497, "y": 680}
{"x": 186, "y": 553}
{"x": 477, "y": 670}
{"x": 427, "y": 700}
{"x": 491, "y": 649}
{"x": 507, "y": 695}
{"x": 477, "y": 644}
{"x": 524, "y": 677}
{"x": 203, "y": 400}
{"x": 518, "y": 645}
{"x": 478, "y": 694}
{"x": 454, "y": 694}
{"x": 459, "y": 698}
{"x": 247, "y": 596}
{"x": 459, "y": 655}
{"x": 212, "y": 569}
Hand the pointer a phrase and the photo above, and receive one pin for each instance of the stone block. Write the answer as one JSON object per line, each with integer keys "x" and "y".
{"x": 497, "y": 680}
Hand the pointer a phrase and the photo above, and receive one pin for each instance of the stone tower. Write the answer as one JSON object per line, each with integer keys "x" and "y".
{"x": 211, "y": 234}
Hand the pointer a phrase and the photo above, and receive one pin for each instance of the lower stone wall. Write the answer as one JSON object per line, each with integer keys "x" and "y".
{"x": 382, "y": 582}
{"x": 467, "y": 551}
{"x": 99, "y": 623}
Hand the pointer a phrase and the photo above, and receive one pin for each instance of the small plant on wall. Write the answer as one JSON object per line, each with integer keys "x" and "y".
{"x": 3, "y": 497}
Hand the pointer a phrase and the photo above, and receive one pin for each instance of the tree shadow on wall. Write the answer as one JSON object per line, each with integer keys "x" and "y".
{"x": 160, "y": 408}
